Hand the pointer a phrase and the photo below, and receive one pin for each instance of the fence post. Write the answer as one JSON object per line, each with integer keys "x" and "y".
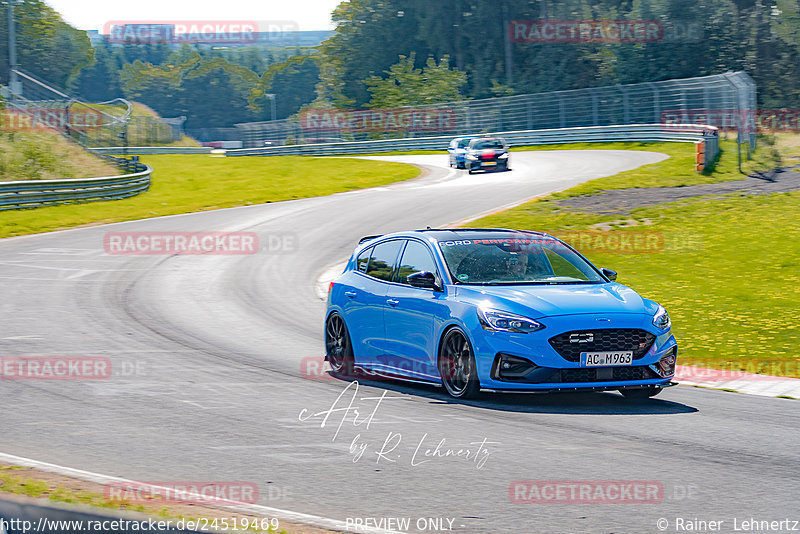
{"x": 626, "y": 111}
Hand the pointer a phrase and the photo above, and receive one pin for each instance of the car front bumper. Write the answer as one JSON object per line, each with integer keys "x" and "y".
{"x": 550, "y": 371}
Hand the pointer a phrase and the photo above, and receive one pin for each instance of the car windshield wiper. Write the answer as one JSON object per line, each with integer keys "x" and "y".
{"x": 530, "y": 283}
{"x": 575, "y": 282}
{"x": 512, "y": 283}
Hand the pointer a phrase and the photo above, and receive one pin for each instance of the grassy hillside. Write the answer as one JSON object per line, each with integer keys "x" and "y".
{"x": 47, "y": 156}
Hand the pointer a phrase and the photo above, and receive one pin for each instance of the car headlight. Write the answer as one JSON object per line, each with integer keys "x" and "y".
{"x": 507, "y": 322}
{"x": 503, "y": 156}
{"x": 661, "y": 319}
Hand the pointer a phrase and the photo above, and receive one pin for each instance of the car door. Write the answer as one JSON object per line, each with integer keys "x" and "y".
{"x": 365, "y": 299}
{"x": 411, "y": 316}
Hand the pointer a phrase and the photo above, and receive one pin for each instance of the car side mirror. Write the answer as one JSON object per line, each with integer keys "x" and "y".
{"x": 608, "y": 273}
{"x": 424, "y": 279}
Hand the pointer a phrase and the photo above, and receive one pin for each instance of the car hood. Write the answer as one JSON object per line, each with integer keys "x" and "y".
{"x": 547, "y": 300}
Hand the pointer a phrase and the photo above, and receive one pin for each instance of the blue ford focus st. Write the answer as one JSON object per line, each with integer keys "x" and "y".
{"x": 494, "y": 310}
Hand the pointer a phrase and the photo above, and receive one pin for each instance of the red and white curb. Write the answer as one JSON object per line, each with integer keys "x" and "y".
{"x": 751, "y": 383}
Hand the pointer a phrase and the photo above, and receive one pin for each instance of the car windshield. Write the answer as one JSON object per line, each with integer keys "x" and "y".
{"x": 464, "y": 142}
{"x": 508, "y": 259}
{"x": 488, "y": 143}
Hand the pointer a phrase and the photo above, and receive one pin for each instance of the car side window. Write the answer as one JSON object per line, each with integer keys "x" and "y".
{"x": 384, "y": 256}
{"x": 416, "y": 257}
{"x": 363, "y": 260}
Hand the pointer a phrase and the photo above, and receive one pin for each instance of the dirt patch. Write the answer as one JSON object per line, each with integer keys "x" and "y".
{"x": 622, "y": 201}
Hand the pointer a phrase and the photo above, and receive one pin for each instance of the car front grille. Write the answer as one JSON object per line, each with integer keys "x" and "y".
{"x": 605, "y": 374}
{"x": 603, "y": 339}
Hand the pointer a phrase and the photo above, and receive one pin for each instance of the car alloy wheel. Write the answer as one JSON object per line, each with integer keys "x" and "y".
{"x": 457, "y": 366}
{"x": 337, "y": 346}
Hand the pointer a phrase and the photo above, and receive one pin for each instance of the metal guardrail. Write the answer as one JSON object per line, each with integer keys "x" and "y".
{"x": 151, "y": 150}
{"x": 35, "y": 193}
{"x": 627, "y": 132}
{"x": 689, "y": 133}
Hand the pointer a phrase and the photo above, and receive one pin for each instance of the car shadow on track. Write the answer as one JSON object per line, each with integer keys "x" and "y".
{"x": 589, "y": 403}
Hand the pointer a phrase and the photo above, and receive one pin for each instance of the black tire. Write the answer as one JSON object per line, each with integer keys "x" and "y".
{"x": 338, "y": 349}
{"x": 457, "y": 365}
{"x": 640, "y": 394}
{"x": 470, "y": 170}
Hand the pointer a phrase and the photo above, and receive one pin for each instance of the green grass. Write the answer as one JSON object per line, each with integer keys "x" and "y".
{"x": 676, "y": 171}
{"x": 189, "y": 183}
{"x": 47, "y": 156}
{"x": 729, "y": 270}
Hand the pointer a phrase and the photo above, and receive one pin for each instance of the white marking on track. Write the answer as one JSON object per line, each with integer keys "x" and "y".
{"x": 288, "y": 515}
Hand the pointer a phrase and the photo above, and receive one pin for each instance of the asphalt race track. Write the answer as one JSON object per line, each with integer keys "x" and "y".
{"x": 210, "y": 358}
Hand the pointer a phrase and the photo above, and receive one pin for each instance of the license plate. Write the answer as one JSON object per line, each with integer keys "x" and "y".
{"x": 490, "y": 163}
{"x": 596, "y": 359}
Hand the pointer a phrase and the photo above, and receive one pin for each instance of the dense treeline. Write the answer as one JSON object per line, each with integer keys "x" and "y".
{"x": 46, "y": 45}
{"x": 409, "y": 52}
{"x": 761, "y": 37}
{"x": 212, "y": 87}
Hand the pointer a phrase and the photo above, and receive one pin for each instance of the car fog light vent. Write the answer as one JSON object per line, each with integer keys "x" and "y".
{"x": 666, "y": 365}
{"x": 513, "y": 367}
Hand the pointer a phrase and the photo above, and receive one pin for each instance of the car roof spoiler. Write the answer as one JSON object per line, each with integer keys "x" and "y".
{"x": 368, "y": 238}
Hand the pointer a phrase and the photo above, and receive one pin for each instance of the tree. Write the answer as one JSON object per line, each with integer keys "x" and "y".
{"x": 405, "y": 85}
{"x": 47, "y": 46}
{"x": 99, "y": 81}
{"x": 293, "y": 83}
